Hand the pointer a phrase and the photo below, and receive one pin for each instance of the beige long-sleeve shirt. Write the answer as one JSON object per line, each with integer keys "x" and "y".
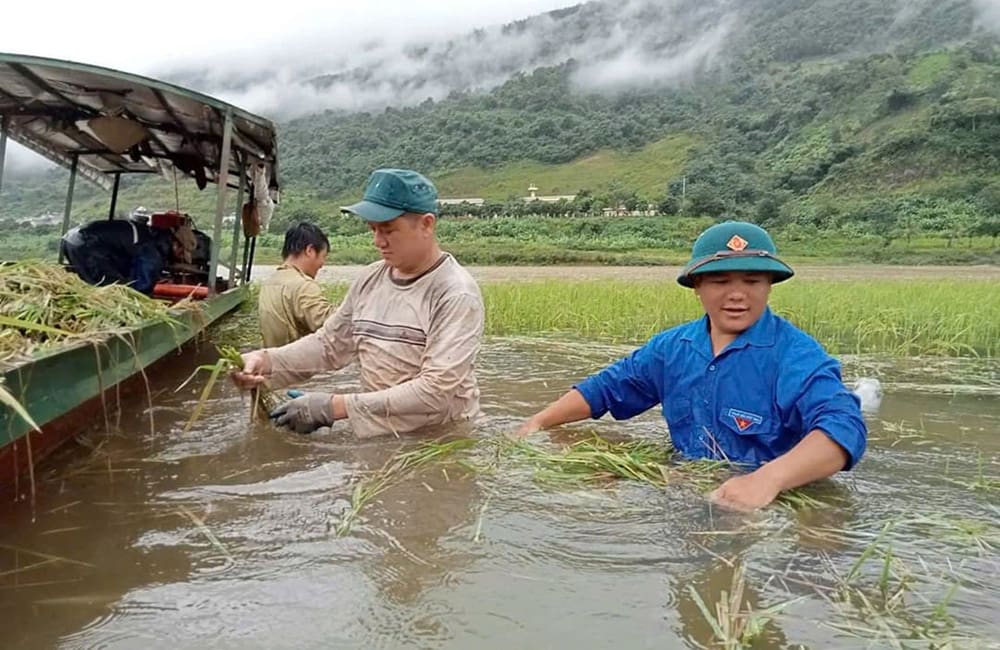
{"x": 291, "y": 305}
{"x": 415, "y": 342}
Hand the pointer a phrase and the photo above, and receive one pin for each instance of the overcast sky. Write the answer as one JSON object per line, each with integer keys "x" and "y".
{"x": 154, "y": 38}
{"x": 145, "y": 37}
{"x": 212, "y": 43}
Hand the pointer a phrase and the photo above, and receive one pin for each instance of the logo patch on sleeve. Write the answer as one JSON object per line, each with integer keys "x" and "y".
{"x": 743, "y": 419}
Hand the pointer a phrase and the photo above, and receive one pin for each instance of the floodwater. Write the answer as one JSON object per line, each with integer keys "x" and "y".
{"x": 225, "y": 536}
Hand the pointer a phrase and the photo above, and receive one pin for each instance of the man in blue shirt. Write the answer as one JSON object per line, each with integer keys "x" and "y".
{"x": 740, "y": 384}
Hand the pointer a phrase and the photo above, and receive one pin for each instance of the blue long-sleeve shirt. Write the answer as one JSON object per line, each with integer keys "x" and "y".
{"x": 752, "y": 403}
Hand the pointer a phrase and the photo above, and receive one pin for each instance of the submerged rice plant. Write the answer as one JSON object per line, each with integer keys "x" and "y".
{"x": 397, "y": 468}
{"x": 264, "y": 401}
{"x": 734, "y": 623}
{"x": 596, "y": 460}
{"x": 982, "y": 482}
{"x": 962, "y": 532}
{"x": 878, "y": 601}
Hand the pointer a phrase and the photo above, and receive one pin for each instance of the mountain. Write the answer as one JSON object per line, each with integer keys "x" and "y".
{"x": 848, "y": 114}
{"x": 616, "y": 45}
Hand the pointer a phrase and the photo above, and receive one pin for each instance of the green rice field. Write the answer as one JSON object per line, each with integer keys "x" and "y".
{"x": 894, "y": 316}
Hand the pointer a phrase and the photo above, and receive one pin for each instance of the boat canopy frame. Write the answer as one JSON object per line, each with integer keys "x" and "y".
{"x": 100, "y": 123}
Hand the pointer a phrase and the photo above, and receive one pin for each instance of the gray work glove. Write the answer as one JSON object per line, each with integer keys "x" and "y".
{"x": 305, "y": 413}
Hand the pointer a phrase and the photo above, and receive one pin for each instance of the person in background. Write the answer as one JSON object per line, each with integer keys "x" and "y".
{"x": 740, "y": 384}
{"x": 125, "y": 251}
{"x": 412, "y": 322}
{"x": 291, "y": 303}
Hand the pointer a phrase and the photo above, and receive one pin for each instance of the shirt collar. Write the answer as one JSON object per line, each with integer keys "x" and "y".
{"x": 761, "y": 334}
{"x": 286, "y": 265}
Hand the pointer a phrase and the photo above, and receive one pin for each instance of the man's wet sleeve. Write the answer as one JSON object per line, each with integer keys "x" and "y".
{"x": 825, "y": 403}
{"x": 627, "y": 387}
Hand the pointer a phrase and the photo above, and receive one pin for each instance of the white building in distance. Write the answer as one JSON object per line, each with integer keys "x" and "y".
{"x": 550, "y": 198}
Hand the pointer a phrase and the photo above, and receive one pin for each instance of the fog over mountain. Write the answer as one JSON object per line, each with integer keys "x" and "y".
{"x": 615, "y": 45}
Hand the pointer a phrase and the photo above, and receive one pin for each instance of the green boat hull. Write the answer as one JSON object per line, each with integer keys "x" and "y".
{"x": 65, "y": 387}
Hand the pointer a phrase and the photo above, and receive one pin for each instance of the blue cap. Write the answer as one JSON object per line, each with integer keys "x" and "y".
{"x": 392, "y": 192}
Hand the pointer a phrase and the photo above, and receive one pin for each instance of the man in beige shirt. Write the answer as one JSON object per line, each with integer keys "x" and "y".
{"x": 291, "y": 303}
{"x": 412, "y": 321}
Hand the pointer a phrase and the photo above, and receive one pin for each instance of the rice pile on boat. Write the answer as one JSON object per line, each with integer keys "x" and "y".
{"x": 43, "y": 306}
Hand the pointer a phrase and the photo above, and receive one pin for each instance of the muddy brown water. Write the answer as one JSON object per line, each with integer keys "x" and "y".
{"x": 224, "y": 536}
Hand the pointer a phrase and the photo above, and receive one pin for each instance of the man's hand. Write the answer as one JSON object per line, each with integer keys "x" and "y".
{"x": 571, "y": 407}
{"x": 305, "y": 414}
{"x": 747, "y": 492}
{"x": 256, "y": 370}
{"x": 531, "y": 425}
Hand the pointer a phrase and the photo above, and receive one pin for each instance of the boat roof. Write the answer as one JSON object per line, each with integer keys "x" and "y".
{"x": 50, "y": 107}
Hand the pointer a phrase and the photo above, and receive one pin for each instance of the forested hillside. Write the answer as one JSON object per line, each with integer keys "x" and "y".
{"x": 849, "y": 116}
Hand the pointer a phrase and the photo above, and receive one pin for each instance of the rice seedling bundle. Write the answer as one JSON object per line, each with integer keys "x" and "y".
{"x": 396, "y": 469}
{"x": 43, "y": 306}
{"x": 264, "y": 400}
{"x": 596, "y": 459}
{"x": 589, "y": 461}
{"x": 599, "y": 460}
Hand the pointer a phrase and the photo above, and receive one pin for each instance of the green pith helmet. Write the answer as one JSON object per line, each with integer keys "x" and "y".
{"x": 734, "y": 246}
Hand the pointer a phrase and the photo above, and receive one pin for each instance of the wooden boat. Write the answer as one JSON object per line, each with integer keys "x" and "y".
{"x": 100, "y": 124}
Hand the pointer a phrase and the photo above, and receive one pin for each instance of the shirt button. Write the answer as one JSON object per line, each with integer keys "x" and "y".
{"x": 712, "y": 368}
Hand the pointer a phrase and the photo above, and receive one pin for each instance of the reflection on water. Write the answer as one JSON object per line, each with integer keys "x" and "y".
{"x": 224, "y": 536}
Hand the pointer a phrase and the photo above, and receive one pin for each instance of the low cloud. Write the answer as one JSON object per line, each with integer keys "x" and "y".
{"x": 614, "y": 46}
{"x": 988, "y": 13}
{"x": 22, "y": 160}
{"x": 635, "y": 66}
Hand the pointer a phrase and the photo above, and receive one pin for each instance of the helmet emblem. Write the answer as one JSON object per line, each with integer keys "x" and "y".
{"x": 737, "y": 243}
